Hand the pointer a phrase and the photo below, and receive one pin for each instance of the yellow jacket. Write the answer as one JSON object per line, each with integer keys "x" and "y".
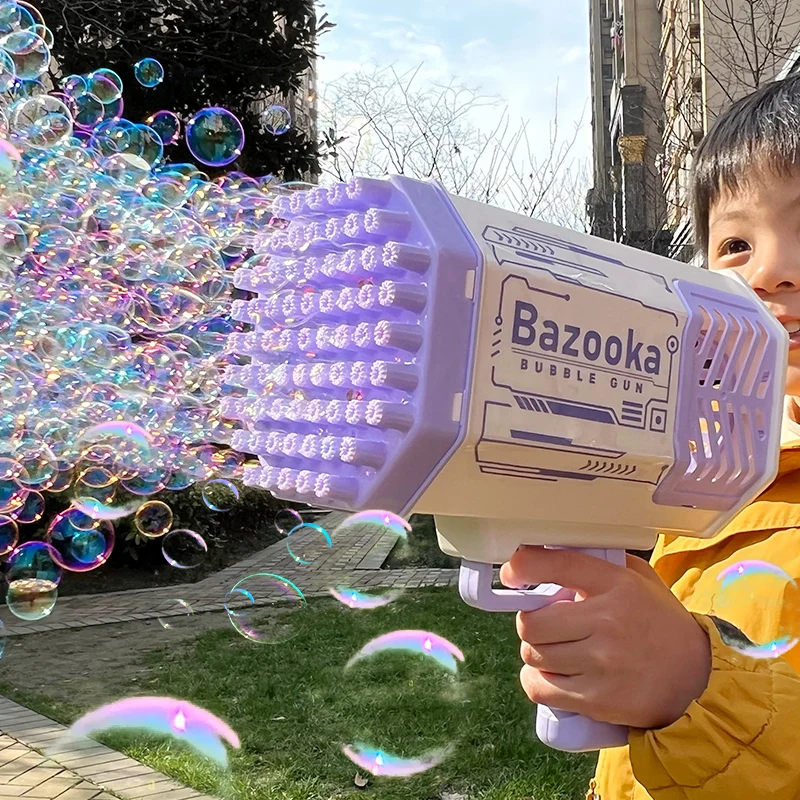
{"x": 741, "y": 738}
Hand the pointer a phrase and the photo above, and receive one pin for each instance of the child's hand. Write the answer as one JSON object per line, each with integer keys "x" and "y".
{"x": 627, "y": 652}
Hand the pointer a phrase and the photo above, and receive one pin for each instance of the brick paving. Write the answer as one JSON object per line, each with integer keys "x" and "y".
{"x": 34, "y": 762}
{"x": 356, "y": 557}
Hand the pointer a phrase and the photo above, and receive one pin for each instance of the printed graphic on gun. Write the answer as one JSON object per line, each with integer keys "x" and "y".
{"x": 522, "y": 383}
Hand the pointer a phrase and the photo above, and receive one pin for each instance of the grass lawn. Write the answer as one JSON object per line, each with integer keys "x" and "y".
{"x": 293, "y": 705}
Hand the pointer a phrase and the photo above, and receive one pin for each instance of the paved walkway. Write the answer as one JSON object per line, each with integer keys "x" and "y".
{"x": 356, "y": 558}
{"x": 33, "y": 764}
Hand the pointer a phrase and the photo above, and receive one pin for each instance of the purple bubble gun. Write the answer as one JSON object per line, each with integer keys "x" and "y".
{"x": 417, "y": 352}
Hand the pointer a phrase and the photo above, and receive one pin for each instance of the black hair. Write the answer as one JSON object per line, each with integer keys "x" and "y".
{"x": 761, "y": 130}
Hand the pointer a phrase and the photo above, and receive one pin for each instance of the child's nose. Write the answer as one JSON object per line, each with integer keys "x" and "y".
{"x": 775, "y": 269}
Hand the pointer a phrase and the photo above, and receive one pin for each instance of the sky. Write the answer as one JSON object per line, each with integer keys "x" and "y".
{"x": 521, "y": 50}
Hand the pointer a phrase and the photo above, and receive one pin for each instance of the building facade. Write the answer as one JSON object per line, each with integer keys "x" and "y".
{"x": 625, "y": 203}
{"x": 688, "y": 60}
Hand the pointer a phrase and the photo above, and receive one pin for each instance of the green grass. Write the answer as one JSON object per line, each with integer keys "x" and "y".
{"x": 397, "y": 701}
{"x": 420, "y": 547}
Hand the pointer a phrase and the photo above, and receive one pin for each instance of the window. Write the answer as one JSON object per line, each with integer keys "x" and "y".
{"x": 608, "y": 72}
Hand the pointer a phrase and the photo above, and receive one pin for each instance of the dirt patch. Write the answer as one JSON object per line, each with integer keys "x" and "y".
{"x": 95, "y": 665}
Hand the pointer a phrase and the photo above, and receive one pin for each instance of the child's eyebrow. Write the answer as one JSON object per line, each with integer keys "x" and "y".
{"x": 734, "y": 215}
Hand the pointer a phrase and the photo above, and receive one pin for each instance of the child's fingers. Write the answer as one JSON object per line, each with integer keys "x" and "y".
{"x": 575, "y": 570}
{"x": 563, "y": 621}
{"x": 568, "y": 658}
{"x": 551, "y": 689}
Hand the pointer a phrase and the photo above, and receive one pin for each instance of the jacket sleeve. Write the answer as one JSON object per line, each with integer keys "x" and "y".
{"x": 739, "y": 739}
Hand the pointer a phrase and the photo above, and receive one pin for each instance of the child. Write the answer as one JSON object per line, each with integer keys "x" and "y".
{"x": 707, "y": 721}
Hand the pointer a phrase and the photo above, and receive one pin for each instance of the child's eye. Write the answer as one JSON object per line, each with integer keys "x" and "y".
{"x": 735, "y": 246}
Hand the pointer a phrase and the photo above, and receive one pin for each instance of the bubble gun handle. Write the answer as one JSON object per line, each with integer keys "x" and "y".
{"x": 562, "y": 730}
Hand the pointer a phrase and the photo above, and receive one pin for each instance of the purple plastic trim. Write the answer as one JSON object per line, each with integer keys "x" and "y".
{"x": 362, "y": 339}
{"x": 734, "y": 391}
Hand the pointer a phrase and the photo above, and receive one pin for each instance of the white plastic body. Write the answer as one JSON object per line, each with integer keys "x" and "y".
{"x": 482, "y": 498}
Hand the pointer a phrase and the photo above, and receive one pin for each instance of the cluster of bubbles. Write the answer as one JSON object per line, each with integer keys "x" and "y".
{"x": 115, "y": 287}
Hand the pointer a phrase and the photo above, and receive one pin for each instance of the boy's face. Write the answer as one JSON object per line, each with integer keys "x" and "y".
{"x": 756, "y": 232}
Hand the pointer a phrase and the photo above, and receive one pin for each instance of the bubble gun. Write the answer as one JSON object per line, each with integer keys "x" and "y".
{"x": 414, "y": 351}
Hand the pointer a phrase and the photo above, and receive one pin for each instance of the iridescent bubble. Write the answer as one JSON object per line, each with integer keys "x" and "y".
{"x": 9, "y": 534}
{"x": 41, "y": 122}
{"x": 87, "y": 110}
{"x": 33, "y": 575}
{"x": 751, "y": 589}
{"x": 81, "y": 544}
{"x": 308, "y": 542}
{"x": 214, "y": 136}
{"x": 167, "y": 125}
{"x": 415, "y": 658}
{"x": 276, "y": 120}
{"x": 2, "y": 638}
{"x": 184, "y": 549}
{"x": 148, "y": 72}
{"x": 384, "y": 519}
{"x": 178, "y": 719}
{"x": 245, "y": 606}
{"x": 31, "y": 599}
{"x": 287, "y": 519}
{"x": 353, "y": 598}
{"x": 105, "y": 84}
{"x": 31, "y": 511}
{"x": 153, "y": 519}
{"x": 30, "y": 54}
{"x": 173, "y": 612}
{"x": 93, "y": 508}
{"x": 220, "y": 494}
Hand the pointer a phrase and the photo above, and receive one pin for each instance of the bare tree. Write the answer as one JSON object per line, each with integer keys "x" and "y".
{"x": 379, "y": 121}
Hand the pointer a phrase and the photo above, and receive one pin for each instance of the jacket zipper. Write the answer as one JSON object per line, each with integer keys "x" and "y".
{"x": 591, "y": 794}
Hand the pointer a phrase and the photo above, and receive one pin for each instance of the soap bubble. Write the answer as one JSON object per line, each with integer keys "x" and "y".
{"x": 87, "y": 110}
{"x": 173, "y": 612}
{"x": 265, "y": 625}
{"x": 378, "y": 674}
{"x": 384, "y": 519}
{"x": 308, "y": 542}
{"x": 276, "y": 119}
{"x": 148, "y": 72}
{"x": 287, "y": 519}
{"x": 31, "y": 599}
{"x": 81, "y": 543}
{"x": 33, "y": 575}
{"x": 166, "y": 124}
{"x": 184, "y": 549}
{"x": 759, "y": 590}
{"x": 214, "y": 136}
{"x": 2, "y": 638}
{"x": 179, "y": 719}
{"x": 32, "y": 509}
{"x": 355, "y": 599}
{"x": 29, "y": 53}
{"x": 9, "y": 534}
{"x": 153, "y": 519}
{"x": 42, "y": 122}
{"x": 34, "y": 560}
{"x": 105, "y": 84}
{"x": 220, "y": 494}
